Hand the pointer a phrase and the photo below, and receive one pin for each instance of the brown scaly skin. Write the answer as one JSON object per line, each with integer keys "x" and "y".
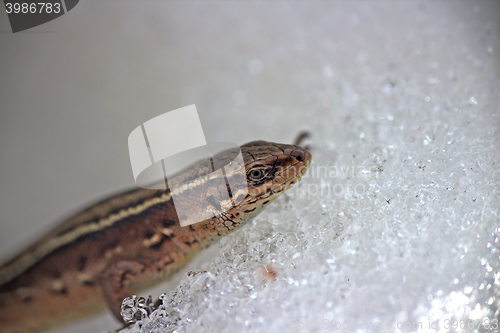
{"x": 81, "y": 269}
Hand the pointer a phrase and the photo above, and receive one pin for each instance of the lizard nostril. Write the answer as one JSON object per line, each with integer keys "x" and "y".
{"x": 299, "y": 155}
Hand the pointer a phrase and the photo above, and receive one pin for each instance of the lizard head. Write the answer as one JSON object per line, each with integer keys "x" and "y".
{"x": 273, "y": 168}
{"x": 269, "y": 170}
{"x": 245, "y": 181}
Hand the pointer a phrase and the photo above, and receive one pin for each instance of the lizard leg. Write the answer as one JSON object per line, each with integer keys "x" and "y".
{"x": 116, "y": 284}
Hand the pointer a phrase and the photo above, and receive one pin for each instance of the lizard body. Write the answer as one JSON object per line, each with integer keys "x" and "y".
{"x": 134, "y": 240}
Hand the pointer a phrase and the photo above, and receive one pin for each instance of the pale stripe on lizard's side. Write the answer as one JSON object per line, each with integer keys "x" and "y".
{"x": 8, "y": 272}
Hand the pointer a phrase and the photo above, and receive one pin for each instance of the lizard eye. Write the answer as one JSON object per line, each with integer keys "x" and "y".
{"x": 258, "y": 173}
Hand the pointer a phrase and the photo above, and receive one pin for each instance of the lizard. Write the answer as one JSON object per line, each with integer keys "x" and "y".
{"x": 134, "y": 240}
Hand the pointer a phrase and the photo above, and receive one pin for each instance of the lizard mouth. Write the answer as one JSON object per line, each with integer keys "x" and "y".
{"x": 301, "y": 160}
